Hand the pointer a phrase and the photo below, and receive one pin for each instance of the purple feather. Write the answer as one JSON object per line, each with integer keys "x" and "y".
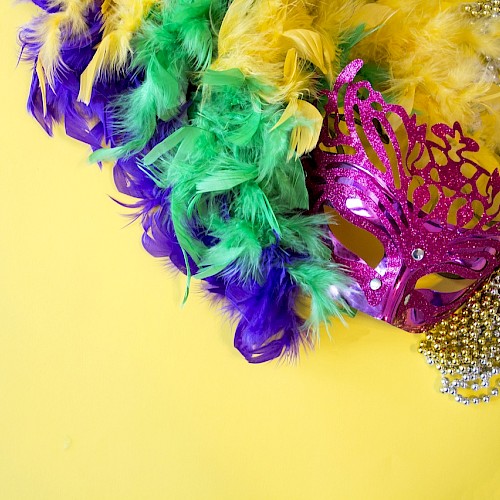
{"x": 47, "y": 5}
{"x": 268, "y": 325}
{"x": 153, "y": 209}
{"x": 75, "y": 53}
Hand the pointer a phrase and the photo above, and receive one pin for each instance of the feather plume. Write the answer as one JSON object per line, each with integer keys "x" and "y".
{"x": 172, "y": 44}
{"x": 237, "y": 194}
{"x": 121, "y": 20}
{"x": 222, "y": 195}
{"x": 93, "y": 125}
{"x": 435, "y": 54}
{"x": 56, "y": 103}
{"x": 52, "y": 28}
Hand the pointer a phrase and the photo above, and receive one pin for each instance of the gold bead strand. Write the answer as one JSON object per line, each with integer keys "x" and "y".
{"x": 482, "y": 11}
{"x": 465, "y": 348}
{"x": 486, "y": 9}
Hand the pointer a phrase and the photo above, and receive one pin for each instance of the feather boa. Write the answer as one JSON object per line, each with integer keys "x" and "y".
{"x": 208, "y": 107}
{"x": 237, "y": 189}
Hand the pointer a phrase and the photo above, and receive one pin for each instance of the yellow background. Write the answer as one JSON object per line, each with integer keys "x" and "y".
{"x": 110, "y": 390}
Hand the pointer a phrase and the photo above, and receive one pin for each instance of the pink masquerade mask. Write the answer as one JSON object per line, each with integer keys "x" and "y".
{"x": 433, "y": 209}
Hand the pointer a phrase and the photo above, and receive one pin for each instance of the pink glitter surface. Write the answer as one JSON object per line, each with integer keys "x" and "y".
{"x": 417, "y": 190}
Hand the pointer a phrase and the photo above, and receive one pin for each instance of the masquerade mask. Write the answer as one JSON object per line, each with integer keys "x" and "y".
{"x": 418, "y": 192}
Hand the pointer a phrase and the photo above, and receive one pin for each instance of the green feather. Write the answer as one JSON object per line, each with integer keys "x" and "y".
{"x": 166, "y": 145}
{"x": 226, "y": 179}
{"x": 316, "y": 280}
{"x": 218, "y": 258}
{"x": 244, "y": 134}
{"x": 231, "y": 77}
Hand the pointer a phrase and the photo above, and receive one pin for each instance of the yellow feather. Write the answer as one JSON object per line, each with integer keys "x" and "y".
{"x": 289, "y": 112}
{"x": 372, "y": 15}
{"x": 88, "y": 77}
{"x": 437, "y": 51}
{"x": 70, "y": 19}
{"x": 48, "y": 56}
{"x": 434, "y": 53}
{"x": 305, "y": 135}
{"x": 122, "y": 19}
{"x": 309, "y": 45}
{"x": 256, "y": 37}
{"x": 290, "y": 67}
{"x": 107, "y": 7}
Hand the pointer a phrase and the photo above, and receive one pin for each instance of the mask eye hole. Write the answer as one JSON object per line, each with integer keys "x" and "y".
{"x": 359, "y": 242}
{"x": 443, "y": 282}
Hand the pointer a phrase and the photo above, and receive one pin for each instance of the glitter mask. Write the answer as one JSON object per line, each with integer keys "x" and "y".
{"x": 418, "y": 192}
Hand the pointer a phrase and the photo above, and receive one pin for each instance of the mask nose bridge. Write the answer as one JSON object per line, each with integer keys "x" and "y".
{"x": 399, "y": 292}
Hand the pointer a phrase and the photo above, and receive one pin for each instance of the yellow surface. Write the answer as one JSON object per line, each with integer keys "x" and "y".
{"x": 110, "y": 390}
